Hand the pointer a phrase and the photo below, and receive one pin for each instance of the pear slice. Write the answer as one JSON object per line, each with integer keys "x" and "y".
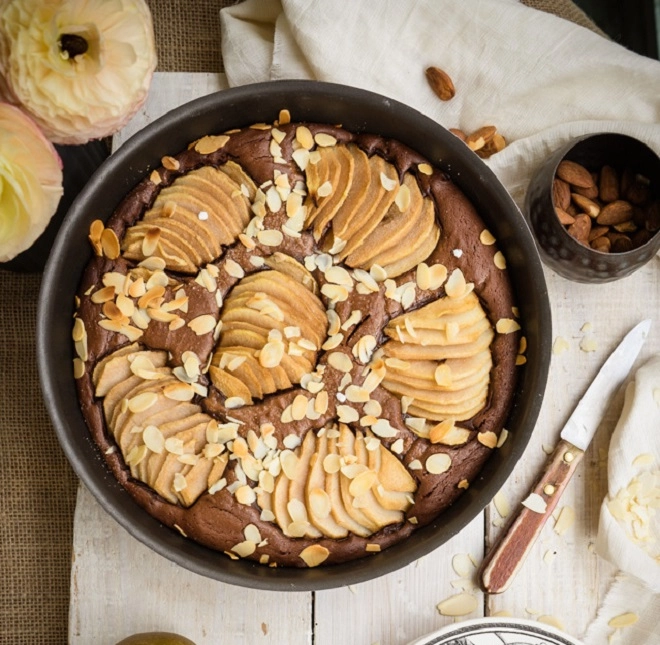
{"x": 367, "y": 221}
{"x": 138, "y": 385}
{"x": 347, "y": 449}
{"x": 243, "y": 338}
{"x": 240, "y": 178}
{"x": 335, "y": 166}
{"x": 116, "y": 394}
{"x": 163, "y": 484}
{"x": 122, "y": 351}
{"x": 115, "y": 369}
{"x": 177, "y": 253}
{"x": 357, "y": 199}
{"x": 316, "y": 482}
{"x": 369, "y": 505}
{"x": 291, "y": 267}
{"x": 297, "y": 485}
{"x": 417, "y": 254}
{"x": 408, "y": 351}
{"x": 338, "y": 510}
{"x": 462, "y": 414}
{"x": 229, "y": 385}
{"x": 437, "y": 395}
{"x": 279, "y": 501}
{"x": 438, "y": 338}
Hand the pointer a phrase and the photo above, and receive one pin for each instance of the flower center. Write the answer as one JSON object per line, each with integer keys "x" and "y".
{"x": 72, "y": 45}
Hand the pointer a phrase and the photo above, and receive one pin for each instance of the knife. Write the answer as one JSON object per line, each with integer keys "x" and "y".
{"x": 508, "y": 554}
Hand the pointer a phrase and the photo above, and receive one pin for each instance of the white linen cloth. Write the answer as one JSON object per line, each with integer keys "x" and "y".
{"x": 539, "y": 79}
{"x": 637, "y": 587}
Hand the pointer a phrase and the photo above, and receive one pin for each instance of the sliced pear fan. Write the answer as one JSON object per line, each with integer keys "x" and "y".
{"x": 349, "y": 205}
{"x": 337, "y": 486}
{"x": 193, "y": 218}
{"x": 162, "y": 439}
{"x": 439, "y": 357}
{"x": 273, "y": 323}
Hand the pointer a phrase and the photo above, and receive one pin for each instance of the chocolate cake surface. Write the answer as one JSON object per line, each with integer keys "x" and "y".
{"x": 296, "y": 344}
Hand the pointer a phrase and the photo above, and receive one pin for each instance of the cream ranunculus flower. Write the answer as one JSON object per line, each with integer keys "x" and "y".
{"x": 30, "y": 182}
{"x": 80, "y": 68}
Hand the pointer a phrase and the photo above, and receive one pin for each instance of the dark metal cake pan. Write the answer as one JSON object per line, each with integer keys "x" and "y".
{"x": 358, "y": 111}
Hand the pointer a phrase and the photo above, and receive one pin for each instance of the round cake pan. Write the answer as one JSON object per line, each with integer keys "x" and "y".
{"x": 356, "y": 110}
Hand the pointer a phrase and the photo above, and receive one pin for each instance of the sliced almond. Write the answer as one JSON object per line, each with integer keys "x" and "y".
{"x": 314, "y": 555}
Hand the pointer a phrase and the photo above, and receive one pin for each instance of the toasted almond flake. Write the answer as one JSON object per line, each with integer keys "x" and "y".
{"x": 488, "y": 439}
{"x": 103, "y": 295}
{"x": 456, "y": 285}
{"x": 299, "y": 407}
{"x": 425, "y": 168}
{"x": 203, "y": 324}
{"x": 565, "y": 520}
{"x": 463, "y": 565}
{"x": 588, "y": 344}
{"x": 388, "y": 183}
{"x": 170, "y": 163}
{"x": 438, "y": 463}
{"x": 534, "y": 502}
{"x": 383, "y": 428}
{"x": 443, "y": 375}
{"x": 331, "y": 463}
{"x": 501, "y": 504}
{"x": 153, "y": 438}
{"x": 340, "y": 361}
{"x": 315, "y": 554}
{"x": 335, "y": 292}
{"x": 234, "y": 402}
{"x": 623, "y": 620}
{"x": 378, "y": 273}
{"x": 549, "y": 556}
{"x": 79, "y": 333}
{"x": 338, "y": 275}
{"x": 78, "y": 368}
{"x": 645, "y": 459}
{"x": 245, "y": 548}
{"x": 233, "y": 268}
{"x": 179, "y": 392}
{"x": 506, "y": 326}
{"x": 110, "y": 244}
{"x": 486, "y": 238}
{"x": 321, "y": 402}
{"x": 218, "y": 486}
{"x": 245, "y": 495}
{"x": 304, "y": 137}
{"x": 141, "y": 402}
{"x": 325, "y": 189}
{"x": 271, "y": 354}
{"x": 458, "y": 605}
{"x": 504, "y": 435}
{"x": 364, "y": 348}
{"x": 211, "y": 143}
{"x": 347, "y": 414}
{"x": 499, "y": 260}
{"x": 150, "y": 241}
{"x": 560, "y": 345}
{"x": 324, "y": 140}
{"x": 362, "y": 483}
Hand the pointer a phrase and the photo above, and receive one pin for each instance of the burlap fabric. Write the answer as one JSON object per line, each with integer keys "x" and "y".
{"x": 37, "y": 486}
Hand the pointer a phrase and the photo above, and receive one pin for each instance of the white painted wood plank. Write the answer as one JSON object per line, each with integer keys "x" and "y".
{"x": 401, "y": 606}
{"x": 119, "y": 586}
{"x": 572, "y": 586}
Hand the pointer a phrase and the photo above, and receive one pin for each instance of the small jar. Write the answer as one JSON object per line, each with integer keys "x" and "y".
{"x": 560, "y": 250}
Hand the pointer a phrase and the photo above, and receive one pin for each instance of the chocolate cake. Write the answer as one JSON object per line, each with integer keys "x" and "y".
{"x": 296, "y": 344}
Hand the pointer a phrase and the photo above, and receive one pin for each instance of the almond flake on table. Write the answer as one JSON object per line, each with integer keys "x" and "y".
{"x": 535, "y": 503}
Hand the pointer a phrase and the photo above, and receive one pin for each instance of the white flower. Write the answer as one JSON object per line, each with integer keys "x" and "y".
{"x": 30, "y": 182}
{"x": 80, "y": 68}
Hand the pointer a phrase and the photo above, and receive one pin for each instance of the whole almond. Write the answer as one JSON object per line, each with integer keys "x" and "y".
{"x": 622, "y": 244}
{"x": 589, "y": 193}
{"x": 574, "y": 174}
{"x": 563, "y": 217}
{"x": 615, "y": 212}
{"x": 580, "y": 228}
{"x": 440, "y": 83}
{"x": 586, "y": 205}
{"x": 598, "y": 231}
{"x": 561, "y": 193}
{"x": 496, "y": 144}
{"x": 608, "y": 184}
{"x": 601, "y": 244}
{"x": 458, "y": 133}
{"x": 480, "y": 137}
{"x": 640, "y": 238}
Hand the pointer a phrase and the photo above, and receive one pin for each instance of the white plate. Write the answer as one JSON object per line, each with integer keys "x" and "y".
{"x": 497, "y": 631}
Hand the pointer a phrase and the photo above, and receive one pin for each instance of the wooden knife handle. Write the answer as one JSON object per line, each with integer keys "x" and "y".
{"x": 509, "y": 552}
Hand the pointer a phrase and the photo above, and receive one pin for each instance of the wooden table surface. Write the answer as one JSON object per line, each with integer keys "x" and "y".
{"x": 119, "y": 587}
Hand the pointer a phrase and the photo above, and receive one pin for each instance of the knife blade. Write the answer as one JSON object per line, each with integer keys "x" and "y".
{"x": 508, "y": 554}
